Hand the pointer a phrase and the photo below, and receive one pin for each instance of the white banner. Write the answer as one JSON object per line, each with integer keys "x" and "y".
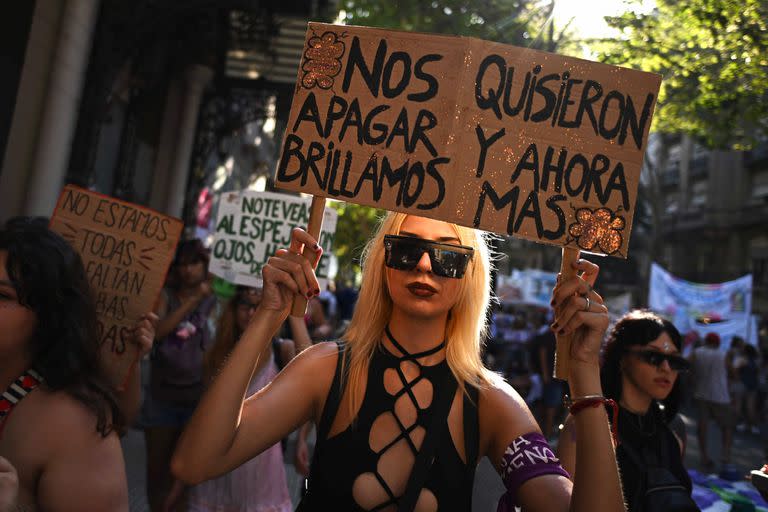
{"x": 722, "y": 308}
{"x": 251, "y": 226}
{"x": 529, "y": 286}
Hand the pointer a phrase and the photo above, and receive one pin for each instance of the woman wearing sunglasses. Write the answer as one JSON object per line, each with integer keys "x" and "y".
{"x": 640, "y": 370}
{"x": 404, "y": 407}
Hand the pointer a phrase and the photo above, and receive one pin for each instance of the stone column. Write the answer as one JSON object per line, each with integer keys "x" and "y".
{"x": 166, "y": 146}
{"x": 197, "y": 77}
{"x": 62, "y": 102}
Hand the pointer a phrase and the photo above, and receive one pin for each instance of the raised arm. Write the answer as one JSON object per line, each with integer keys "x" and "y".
{"x": 529, "y": 468}
{"x": 129, "y": 386}
{"x": 170, "y": 319}
{"x": 301, "y": 338}
{"x": 597, "y": 486}
{"x": 224, "y": 431}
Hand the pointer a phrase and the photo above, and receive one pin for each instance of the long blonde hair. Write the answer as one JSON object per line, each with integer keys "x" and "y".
{"x": 465, "y": 329}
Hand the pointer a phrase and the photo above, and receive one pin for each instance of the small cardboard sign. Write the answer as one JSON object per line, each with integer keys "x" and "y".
{"x": 126, "y": 250}
{"x": 251, "y": 226}
{"x": 510, "y": 140}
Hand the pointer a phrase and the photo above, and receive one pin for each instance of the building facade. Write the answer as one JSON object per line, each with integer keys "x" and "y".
{"x": 158, "y": 102}
{"x": 713, "y": 214}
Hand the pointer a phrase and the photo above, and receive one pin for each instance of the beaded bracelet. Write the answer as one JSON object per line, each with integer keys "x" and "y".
{"x": 580, "y": 403}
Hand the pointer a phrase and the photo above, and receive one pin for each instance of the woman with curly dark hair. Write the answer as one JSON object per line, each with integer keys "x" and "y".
{"x": 640, "y": 369}
{"x": 59, "y": 414}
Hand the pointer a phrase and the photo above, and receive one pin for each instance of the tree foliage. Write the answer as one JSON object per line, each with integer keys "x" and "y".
{"x": 525, "y": 23}
{"x": 713, "y": 56}
{"x": 354, "y": 228}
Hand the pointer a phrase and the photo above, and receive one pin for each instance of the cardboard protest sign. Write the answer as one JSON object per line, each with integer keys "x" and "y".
{"x": 504, "y": 139}
{"x": 126, "y": 250}
{"x": 251, "y": 226}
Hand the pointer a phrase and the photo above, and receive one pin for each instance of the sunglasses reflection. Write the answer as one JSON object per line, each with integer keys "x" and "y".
{"x": 446, "y": 260}
{"x": 676, "y": 363}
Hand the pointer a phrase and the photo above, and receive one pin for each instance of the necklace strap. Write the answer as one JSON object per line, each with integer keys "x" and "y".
{"x": 18, "y": 389}
{"x": 408, "y": 355}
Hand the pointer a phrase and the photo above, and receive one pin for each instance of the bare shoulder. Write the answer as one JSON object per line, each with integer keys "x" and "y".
{"x": 82, "y": 465}
{"x": 504, "y": 416}
{"x": 501, "y": 398}
{"x": 313, "y": 369}
{"x": 71, "y": 423}
{"x": 321, "y": 356}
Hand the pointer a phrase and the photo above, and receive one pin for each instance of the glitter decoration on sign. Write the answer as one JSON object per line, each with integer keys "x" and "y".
{"x": 322, "y": 61}
{"x": 598, "y": 228}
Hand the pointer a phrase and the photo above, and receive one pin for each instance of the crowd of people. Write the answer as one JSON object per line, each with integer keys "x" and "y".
{"x": 394, "y": 379}
{"x": 726, "y": 387}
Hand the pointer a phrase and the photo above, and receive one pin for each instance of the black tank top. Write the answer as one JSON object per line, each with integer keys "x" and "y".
{"x": 338, "y": 461}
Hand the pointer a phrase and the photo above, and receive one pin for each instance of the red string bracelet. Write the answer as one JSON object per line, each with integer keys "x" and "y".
{"x": 580, "y": 403}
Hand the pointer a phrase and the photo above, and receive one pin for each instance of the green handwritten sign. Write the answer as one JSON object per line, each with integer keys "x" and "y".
{"x": 251, "y": 226}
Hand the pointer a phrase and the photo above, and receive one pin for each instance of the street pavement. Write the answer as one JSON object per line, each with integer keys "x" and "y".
{"x": 748, "y": 453}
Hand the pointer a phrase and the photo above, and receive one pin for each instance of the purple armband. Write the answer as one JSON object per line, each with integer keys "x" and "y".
{"x": 526, "y": 457}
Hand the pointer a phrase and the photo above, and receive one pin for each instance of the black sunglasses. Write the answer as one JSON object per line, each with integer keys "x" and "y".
{"x": 447, "y": 260}
{"x": 676, "y": 363}
{"x": 243, "y": 304}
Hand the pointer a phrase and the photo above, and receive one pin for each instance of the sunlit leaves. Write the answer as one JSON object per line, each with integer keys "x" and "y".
{"x": 518, "y": 22}
{"x": 712, "y": 55}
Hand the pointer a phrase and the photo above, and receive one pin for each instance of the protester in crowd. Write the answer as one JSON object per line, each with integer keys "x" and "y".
{"x": 735, "y": 361}
{"x": 759, "y": 478}
{"x": 408, "y": 386}
{"x": 260, "y": 483}
{"x": 59, "y": 414}
{"x": 543, "y": 358}
{"x": 9, "y": 486}
{"x": 710, "y": 380}
{"x": 184, "y": 334}
{"x": 317, "y": 323}
{"x": 641, "y": 363}
{"x": 749, "y": 373}
{"x": 346, "y": 297}
{"x": 330, "y": 305}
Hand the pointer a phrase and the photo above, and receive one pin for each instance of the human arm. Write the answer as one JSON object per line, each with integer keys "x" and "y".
{"x": 172, "y": 501}
{"x": 322, "y": 329}
{"x": 9, "y": 486}
{"x": 287, "y": 350}
{"x": 301, "y": 458}
{"x": 129, "y": 389}
{"x": 566, "y": 446}
{"x": 598, "y": 486}
{"x": 170, "y": 319}
{"x": 224, "y": 431}
{"x": 301, "y": 338}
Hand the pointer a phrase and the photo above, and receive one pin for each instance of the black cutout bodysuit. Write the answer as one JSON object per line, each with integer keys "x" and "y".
{"x": 340, "y": 460}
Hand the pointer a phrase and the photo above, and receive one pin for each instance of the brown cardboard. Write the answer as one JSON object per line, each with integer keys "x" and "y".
{"x": 455, "y": 139}
{"x": 126, "y": 250}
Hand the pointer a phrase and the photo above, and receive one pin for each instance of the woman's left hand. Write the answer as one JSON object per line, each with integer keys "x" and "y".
{"x": 580, "y": 313}
{"x": 143, "y": 335}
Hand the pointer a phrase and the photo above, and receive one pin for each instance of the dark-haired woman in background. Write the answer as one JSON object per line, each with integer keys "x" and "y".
{"x": 640, "y": 369}
{"x": 59, "y": 415}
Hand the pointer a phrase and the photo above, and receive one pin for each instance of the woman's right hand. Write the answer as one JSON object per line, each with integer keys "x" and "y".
{"x": 288, "y": 273}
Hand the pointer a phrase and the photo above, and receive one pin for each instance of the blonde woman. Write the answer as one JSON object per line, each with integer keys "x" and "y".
{"x": 404, "y": 407}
